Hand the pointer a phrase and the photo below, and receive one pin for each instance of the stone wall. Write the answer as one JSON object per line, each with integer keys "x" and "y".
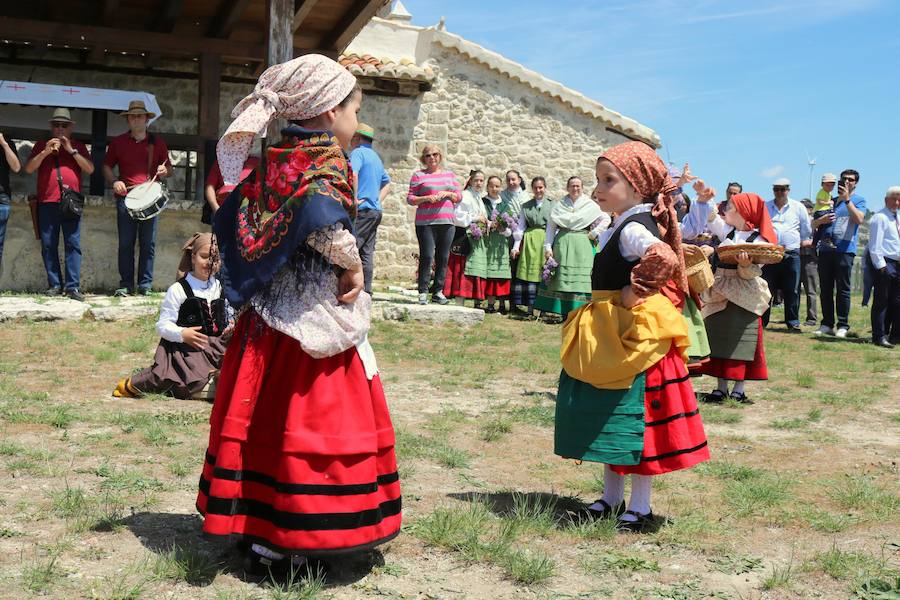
{"x": 23, "y": 268}
{"x": 482, "y": 119}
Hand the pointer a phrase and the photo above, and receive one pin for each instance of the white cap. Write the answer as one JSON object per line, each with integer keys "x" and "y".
{"x": 782, "y": 181}
{"x": 829, "y": 178}
{"x": 894, "y": 189}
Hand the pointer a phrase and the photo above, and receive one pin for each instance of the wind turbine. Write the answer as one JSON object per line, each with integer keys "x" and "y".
{"x": 812, "y": 165}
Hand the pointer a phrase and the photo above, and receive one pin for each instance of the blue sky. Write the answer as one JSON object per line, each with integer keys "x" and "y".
{"x": 740, "y": 90}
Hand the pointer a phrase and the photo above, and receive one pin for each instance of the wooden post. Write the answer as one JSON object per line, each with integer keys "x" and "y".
{"x": 207, "y": 117}
{"x": 98, "y": 151}
{"x": 279, "y": 46}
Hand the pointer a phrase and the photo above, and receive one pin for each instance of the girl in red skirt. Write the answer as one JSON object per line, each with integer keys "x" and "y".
{"x": 470, "y": 210}
{"x": 734, "y": 305}
{"x": 300, "y": 459}
{"x": 625, "y": 398}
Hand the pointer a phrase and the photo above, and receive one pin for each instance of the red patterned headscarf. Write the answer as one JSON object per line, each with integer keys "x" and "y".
{"x": 649, "y": 177}
{"x": 753, "y": 209}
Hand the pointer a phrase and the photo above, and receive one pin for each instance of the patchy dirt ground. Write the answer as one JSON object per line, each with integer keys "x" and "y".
{"x": 799, "y": 501}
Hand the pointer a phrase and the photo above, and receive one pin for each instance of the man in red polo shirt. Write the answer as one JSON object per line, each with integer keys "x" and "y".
{"x": 133, "y": 152}
{"x": 60, "y": 156}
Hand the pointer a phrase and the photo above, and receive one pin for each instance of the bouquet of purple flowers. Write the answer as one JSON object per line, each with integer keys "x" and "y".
{"x": 477, "y": 229}
{"x": 502, "y": 221}
{"x": 549, "y": 269}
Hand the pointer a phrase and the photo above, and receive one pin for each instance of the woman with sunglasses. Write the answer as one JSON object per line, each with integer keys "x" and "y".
{"x": 434, "y": 192}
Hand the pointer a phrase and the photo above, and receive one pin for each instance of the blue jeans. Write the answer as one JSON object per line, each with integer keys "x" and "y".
{"x": 131, "y": 231}
{"x": 50, "y": 223}
{"x": 785, "y": 276}
{"x": 4, "y": 217}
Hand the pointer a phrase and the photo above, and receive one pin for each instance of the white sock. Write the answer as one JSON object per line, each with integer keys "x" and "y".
{"x": 613, "y": 489}
{"x": 265, "y": 552}
{"x": 738, "y": 387}
{"x": 723, "y": 386}
{"x": 640, "y": 496}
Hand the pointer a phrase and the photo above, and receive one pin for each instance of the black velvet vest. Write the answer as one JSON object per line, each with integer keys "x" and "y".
{"x": 611, "y": 270}
{"x": 194, "y": 311}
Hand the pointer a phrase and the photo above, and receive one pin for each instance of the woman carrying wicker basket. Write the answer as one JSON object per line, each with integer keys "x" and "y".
{"x": 734, "y": 305}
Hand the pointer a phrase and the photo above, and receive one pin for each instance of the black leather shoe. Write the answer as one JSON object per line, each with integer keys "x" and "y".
{"x": 640, "y": 525}
{"x": 75, "y": 294}
{"x": 884, "y": 343}
{"x": 588, "y": 514}
{"x": 54, "y": 291}
{"x": 713, "y": 397}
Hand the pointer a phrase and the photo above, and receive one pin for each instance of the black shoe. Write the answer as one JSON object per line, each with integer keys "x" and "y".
{"x": 794, "y": 329}
{"x": 740, "y": 397}
{"x": 588, "y": 514}
{"x": 714, "y": 397}
{"x": 490, "y": 309}
{"x": 143, "y": 291}
{"x": 54, "y": 291}
{"x": 811, "y": 323}
{"x": 75, "y": 294}
{"x": 120, "y": 293}
{"x": 642, "y": 524}
{"x": 884, "y": 343}
{"x": 260, "y": 566}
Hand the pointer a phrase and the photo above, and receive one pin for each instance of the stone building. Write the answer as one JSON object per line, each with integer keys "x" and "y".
{"x": 426, "y": 85}
{"x": 422, "y": 84}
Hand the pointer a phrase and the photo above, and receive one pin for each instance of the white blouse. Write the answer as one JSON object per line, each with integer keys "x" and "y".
{"x": 635, "y": 239}
{"x": 166, "y": 326}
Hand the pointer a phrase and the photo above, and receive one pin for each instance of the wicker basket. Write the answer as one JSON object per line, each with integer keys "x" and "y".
{"x": 761, "y": 254}
{"x": 696, "y": 267}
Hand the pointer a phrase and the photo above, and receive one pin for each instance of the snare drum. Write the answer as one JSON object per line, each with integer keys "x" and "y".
{"x": 146, "y": 200}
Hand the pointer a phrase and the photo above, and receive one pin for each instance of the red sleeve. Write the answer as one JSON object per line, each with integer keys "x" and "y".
{"x": 162, "y": 152}
{"x": 215, "y": 176}
{"x": 37, "y": 149}
{"x": 111, "y": 158}
{"x": 82, "y": 148}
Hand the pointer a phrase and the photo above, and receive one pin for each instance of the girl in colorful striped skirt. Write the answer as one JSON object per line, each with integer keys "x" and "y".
{"x": 528, "y": 248}
{"x": 734, "y": 305}
{"x": 300, "y": 460}
{"x": 489, "y": 259}
{"x": 470, "y": 210}
{"x": 624, "y": 394}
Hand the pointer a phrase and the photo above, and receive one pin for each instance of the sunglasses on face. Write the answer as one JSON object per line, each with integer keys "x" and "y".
{"x": 60, "y": 125}
{"x": 780, "y": 188}
{"x": 850, "y": 179}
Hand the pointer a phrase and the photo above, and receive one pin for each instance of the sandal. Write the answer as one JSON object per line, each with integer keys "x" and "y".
{"x": 740, "y": 397}
{"x": 641, "y": 525}
{"x": 588, "y": 514}
{"x": 714, "y": 397}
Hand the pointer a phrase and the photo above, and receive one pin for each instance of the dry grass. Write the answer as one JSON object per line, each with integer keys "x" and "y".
{"x": 799, "y": 500}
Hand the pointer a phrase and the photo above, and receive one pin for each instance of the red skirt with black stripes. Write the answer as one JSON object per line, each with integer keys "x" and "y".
{"x": 673, "y": 436}
{"x": 301, "y": 450}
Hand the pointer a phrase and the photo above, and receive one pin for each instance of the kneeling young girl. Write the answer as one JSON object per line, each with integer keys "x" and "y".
{"x": 192, "y": 320}
{"x": 734, "y": 305}
{"x": 624, "y": 394}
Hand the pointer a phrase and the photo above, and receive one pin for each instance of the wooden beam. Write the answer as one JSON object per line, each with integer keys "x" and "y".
{"x": 360, "y": 13}
{"x": 280, "y": 45}
{"x": 302, "y": 8}
{"x": 208, "y": 117}
{"x": 98, "y": 150}
{"x": 229, "y": 14}
{"x": 165, "y": 19}
{"x": 107, "y": 11}
{"x": 96, "y": 55}
{"x": 114, "y": 39}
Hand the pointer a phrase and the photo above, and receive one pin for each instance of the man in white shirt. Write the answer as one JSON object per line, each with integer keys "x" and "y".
{"x": 884, "y": 257}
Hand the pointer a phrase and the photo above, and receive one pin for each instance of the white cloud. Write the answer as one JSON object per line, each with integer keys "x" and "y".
{"x": 770, "y": 172}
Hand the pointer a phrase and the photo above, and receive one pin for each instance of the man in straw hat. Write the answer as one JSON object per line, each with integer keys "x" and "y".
{"x": 139, "y": 155}
{"x": 372, "y": 184}
{"x": 68, "y": 159}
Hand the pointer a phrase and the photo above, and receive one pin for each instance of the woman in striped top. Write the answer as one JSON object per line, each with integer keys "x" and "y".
{"x": 433, "y": 192}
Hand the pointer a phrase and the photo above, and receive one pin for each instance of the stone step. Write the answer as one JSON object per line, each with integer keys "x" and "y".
{"x": 429, "y": 313}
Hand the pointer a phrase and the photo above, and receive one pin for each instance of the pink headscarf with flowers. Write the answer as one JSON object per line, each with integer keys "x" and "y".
{"x": 649, "y": 177}
{"x": 298, "y": 89}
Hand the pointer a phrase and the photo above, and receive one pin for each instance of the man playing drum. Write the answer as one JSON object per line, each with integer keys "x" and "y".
{"x": 140, "y": 155}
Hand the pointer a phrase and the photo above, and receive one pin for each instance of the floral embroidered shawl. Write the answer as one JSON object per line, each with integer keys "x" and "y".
{"x": 307, "y": 188}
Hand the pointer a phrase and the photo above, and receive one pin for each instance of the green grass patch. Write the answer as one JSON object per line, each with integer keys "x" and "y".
{"x": 185, "y": 564}
{"x": 728, "y": 471}
{"x": 864, "y": 494}
{"x": 719, "y": 415}
{"x": 756, "y": 496}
